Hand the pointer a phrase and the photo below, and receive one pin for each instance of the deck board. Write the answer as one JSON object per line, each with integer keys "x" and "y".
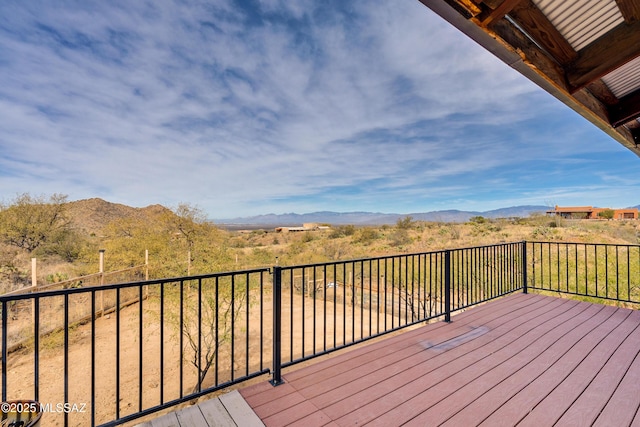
{"x": 623, "y": 404}
{"x": 215, "y": 414}
{"x": 239, "y": 410}
{"x": 594, "y": 398}
{"x": 532, "y": 360}
{"x": 348, "y": 395}
{"x": 439, "y": 376}
{"x": 583, "y": 367}
{"x": 524, "y": 358}
{"x": 191, "y": 416}
{"x": 227, "y": 410}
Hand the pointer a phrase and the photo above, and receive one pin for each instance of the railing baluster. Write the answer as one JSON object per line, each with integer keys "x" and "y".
{"x": 291, "y": 315}
{"x": 315, "y": 281}
{"x": 4, "y": 350}
{"x": 303, "y": 293}
{"x": 335, "y": 296}
{"x": 247, "y": 329}
{"x": 447, "y": 286}
{"x": 36, "y": 349}
{"x": 261, "y": 321}
{"x": 93, "y": 360}
{"x": 140, "y": 343}
{"x": 162, "y": 344}
{"x": 199, "y": 349}
{"x": 277, "y": 326}
{"x": 181, "y": 339}
{"x": 523, "y": 245}
{"x": 117, "y": 309}
{"x": 361, "y": 299}
{"x": 216, "y": 285}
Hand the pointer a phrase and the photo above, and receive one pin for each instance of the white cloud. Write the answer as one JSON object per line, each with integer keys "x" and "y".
{"x": 241, "y": 111}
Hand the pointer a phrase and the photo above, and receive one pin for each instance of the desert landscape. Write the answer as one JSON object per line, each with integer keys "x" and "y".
{"x": 139, "y": 359}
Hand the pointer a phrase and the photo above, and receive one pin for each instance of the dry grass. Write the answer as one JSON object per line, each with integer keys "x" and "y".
{"x": 260, "y": 248}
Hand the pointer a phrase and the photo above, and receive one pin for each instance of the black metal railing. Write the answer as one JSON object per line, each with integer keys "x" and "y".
{"x": 601, "y": 271}
{"x": 329, "y": 306}
{"x": 165, "y": 342}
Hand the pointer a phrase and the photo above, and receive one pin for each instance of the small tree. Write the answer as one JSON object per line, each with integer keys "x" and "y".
{"x": 207, "y": 322}
{"x": 189, "y": 221}
{"x": 405, "y": 223}
{"x": 477, "y": 219}
{"x": 606, "y": 214}
{"x": 30, "y": 222}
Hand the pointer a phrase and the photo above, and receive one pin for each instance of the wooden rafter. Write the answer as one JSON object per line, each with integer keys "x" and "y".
{"x": 530, "y": 51}
{"x": 626, "y": 110}
{"x": 602, "y": 92}
{"x": 609, "y": 52}
{"x": 499, "y": 12}
{"x": 630, "y": 10}
{"x": 536, "y": 25}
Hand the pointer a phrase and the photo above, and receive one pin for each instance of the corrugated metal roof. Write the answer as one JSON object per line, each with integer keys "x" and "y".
{"x": 625, "y": 79}
{"x": 605, "y": 36}
{"x": 581, "y": 21}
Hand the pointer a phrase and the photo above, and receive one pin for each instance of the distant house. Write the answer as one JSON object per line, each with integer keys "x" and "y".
{"x": 589, "y": 212}
{"x": 310, "y": 226}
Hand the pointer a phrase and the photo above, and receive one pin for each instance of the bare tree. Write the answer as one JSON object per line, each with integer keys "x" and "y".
{"x": 210, "y": 309}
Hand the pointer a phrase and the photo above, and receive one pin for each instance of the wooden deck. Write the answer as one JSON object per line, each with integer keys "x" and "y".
{"x": 523, "y": 360}
{"x": 228, "y": 410}
{"x": 526, "y": 360}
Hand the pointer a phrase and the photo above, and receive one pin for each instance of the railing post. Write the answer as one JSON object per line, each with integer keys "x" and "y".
{"x": 447, "y": 286}
{"x": 5, "y": 305}
{"x": 524, "y": 267}
{"x": 277, "y": 327}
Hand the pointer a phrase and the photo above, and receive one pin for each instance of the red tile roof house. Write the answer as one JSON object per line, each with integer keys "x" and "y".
{"x": 589, "y": 212}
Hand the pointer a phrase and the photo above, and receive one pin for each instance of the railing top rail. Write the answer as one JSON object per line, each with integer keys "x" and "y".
{"x": 384, "y": 257}
{"x": 625, "y": 245}
{"x": 58, "y": 292}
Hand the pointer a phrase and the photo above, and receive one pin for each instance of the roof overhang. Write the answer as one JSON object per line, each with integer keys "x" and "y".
{"x": 586, "y": 53}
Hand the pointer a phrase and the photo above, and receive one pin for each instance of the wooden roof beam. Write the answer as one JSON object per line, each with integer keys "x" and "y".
{"x": 630, "y": 10}
{"x": 467, "y": 8}
{"x": 499, "y": 12}
{"x": 626, "y": 110}
{"x": 609, "y": 52}
{"x": 537, "y": 26}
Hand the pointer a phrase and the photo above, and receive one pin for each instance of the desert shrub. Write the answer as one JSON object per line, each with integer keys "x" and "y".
{"x": 365, "y": 236}
{"x": 405, "y": 223}
{"x": 261, "y": 256}
{"x": 542, "y": 232}
{"x": 335, "y": 250}
{"x": 295, "y": 248}
{"x": 399, "y": 237}
{"x": 307, "y": 237}
{"x": 342, "y": 231}
{"x": 477, "y": 220}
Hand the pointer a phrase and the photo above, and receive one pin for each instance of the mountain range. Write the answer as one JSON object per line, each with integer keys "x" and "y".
{"x": 91, "y": 215}
{"x": 377, "y": 218}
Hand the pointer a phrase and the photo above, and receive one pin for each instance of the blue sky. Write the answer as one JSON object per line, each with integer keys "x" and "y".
{"x": 271, "y": 106}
